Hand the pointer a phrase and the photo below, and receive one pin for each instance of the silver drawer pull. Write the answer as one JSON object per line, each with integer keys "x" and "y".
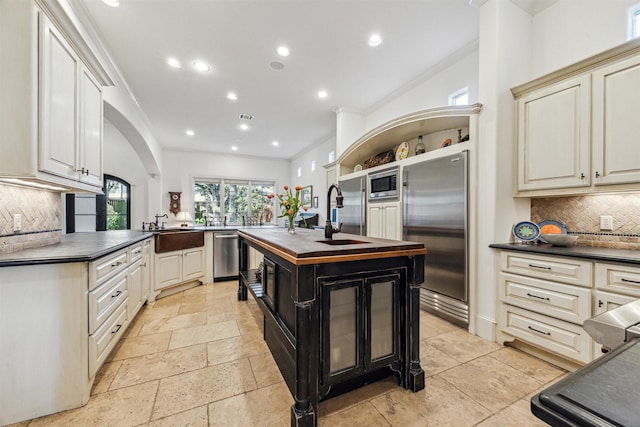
{"x": 630, "y": 281}
{"x": 115, "y": 264}
{"x": 139, "y": 251}
{"x": 539, "y": 266}
{"x": 117, "y": 294}
{"x": 536, "y": 296}
{"x": 117, "y": 329}
{"x": 538, "y": 331}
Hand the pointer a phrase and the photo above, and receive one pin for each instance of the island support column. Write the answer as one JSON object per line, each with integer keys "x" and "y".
{"x": 415, "y": 374}
{"x": 304, "y": 410}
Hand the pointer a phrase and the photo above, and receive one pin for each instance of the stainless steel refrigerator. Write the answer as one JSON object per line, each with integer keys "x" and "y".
{"x": 435, "y": 213}
{"x": 353, "y": 213}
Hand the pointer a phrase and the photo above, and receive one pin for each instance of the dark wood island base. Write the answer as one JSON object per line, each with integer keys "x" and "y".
{"x": 337, "y": 314}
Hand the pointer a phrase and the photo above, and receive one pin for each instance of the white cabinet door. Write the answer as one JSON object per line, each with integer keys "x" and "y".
{"x": 134, "y": 287}
{"x": 384, "y": 221}
{"x": 168, "y": 269}
{"x": 192, "y": 264}
{"x": 58, "y": 124}
{"x": 392, "y": 226}
{"x": 375, "y": 221}
{"x": 553, "y": 136}
{"x": 90, "y": 119}
{"x": 616, "y": 109}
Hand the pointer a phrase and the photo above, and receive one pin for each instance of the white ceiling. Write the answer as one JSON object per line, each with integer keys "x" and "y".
{"x": 329, "y": 50}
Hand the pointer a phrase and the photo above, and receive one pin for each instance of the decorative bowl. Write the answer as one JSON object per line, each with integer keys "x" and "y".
{"x": 560, "y": 239}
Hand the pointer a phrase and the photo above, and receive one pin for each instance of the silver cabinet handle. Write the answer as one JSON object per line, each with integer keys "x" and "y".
{"x": 115, "y": 264}
{"x": 539, "y": 266}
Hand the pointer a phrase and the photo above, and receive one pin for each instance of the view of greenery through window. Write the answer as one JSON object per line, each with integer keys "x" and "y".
{"x": 241, "y": 199}
{"x": 117, "y": 202}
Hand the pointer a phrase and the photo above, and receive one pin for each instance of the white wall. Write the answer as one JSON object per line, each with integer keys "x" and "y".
{"x": 460, "y": 71}
{"x": 122, "y": 161}
{"x": 317, "y": 178}
{"x": 181, "y": 167}
{"x": 572, "y": 30}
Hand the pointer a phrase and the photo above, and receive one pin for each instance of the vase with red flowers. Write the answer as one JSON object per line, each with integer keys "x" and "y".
{"x": 290, "y": 205}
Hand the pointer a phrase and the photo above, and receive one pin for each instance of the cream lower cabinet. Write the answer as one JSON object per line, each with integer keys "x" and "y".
{"x": 138, "y": 277}
{"x": 616, "y": 285}
{"x": 384, "y": 220}
{"x": 543, "y": 302}
{"x": 174, "y": 268}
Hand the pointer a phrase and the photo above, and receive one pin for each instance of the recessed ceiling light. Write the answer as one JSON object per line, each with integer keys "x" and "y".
{"x": 283, "y": 51}
{"x": 232, "y": 96}
{"x": 244, "y": 126}
{"x": 190, "y": 132}
{"x": 234, "y": 148}
{"x": 375, "y": 40}
{"x": 276, "y": 65}
{"x": 322, "y": 94}
{"x": 201, "y": 66}
{"x": 275, "y": 143}
{"x": 173, "y": 62}
{"x": 112, "y": 3}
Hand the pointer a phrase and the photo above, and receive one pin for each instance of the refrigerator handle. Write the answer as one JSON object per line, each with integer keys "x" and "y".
{"x": 363, "y": 208}
{"x": 405, "y": 196}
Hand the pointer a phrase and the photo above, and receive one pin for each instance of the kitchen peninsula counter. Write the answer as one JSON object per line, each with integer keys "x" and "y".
{"x": 337, "y": 315}
{"x": 594, "y": 253}
{"x": 75, "y": 247}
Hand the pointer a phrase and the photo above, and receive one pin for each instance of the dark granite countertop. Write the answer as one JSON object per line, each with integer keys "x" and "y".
{"x": 216, "y": 228}
{"x": 598, "y": 254}
{"x": 307, "y": 244}
{"x": 75, "y": 247}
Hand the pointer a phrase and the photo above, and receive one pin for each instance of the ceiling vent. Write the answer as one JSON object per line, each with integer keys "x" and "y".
{"x": 246, "y": 117}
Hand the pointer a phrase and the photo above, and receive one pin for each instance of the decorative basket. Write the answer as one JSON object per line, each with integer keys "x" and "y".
{"x": 380, "y": 159}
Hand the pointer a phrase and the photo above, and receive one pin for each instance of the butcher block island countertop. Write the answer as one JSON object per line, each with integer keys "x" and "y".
{"x": 337, "y": 314}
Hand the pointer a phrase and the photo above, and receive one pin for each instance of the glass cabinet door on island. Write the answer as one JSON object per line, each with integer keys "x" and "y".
{"x": 359, "y": 325}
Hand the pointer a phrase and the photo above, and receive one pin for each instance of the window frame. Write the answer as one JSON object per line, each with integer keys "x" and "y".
{"x": 459, "y": 94}
{"x": 102, "y": 200}
{"x": 223, "y": 182}
{"x": 634, "y": 22}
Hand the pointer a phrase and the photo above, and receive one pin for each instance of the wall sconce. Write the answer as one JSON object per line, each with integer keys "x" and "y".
{"x": 184, "y": 217}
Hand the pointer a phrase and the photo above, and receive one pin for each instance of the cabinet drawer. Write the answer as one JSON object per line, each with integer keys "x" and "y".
{"x": 104, "y": 300}
{"x": 557, "y": 336}
{"x": 567, "y": 270}
{"x": 621, "y": 279}
{"x": 106, "y": 267}
{"x": 106, "y": 337}
{"x": 570, "y": 303}
{"x": 135, "y": 252}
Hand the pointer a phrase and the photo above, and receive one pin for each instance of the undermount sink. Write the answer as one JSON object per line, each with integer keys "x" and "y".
{"x": 341, "y": 242}
{"x": 175, "y": 240}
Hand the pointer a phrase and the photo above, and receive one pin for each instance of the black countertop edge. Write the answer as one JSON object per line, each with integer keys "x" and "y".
{"x": 628, "y": 256}
{"x": 75, "y": 247}
{"x": 213, "y": 228}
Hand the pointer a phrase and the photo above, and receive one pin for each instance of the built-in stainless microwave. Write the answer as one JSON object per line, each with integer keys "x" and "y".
{"x": 384, "y": 185}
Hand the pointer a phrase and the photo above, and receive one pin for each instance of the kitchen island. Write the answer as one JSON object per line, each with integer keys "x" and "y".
{"x": 337, "y": 313}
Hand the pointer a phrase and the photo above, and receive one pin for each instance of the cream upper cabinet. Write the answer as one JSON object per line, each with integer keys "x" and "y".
{"x": 59, "y": 67}
{"x": 71, "y": 112}
{"x": 53, "y": 135}
{"x": 577, "y": 127}
{"x": 616, "y": 109}
{"x": 90, "y": 135}
{"x": 553, "y": 136}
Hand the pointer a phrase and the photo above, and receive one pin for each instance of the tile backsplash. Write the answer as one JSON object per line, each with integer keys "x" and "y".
{"x": 581, "y": 215}
{"x": 42, "y": 218}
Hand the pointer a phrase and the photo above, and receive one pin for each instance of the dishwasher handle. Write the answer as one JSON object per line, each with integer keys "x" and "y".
{"x": 226, "y": 236}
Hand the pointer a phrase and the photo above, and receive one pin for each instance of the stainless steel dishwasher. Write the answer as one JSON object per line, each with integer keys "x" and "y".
{"x": 225, "y": 255}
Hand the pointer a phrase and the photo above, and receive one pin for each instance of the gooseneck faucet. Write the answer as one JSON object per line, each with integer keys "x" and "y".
{"x": 329, "y": 229}
{"x": 160, "y": 216}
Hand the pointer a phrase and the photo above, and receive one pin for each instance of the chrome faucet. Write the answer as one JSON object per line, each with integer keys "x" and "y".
{"x": 329, "y": 229}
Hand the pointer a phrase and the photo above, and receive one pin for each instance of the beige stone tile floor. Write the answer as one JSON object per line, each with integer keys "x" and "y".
{"x": 197, "y": 358}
